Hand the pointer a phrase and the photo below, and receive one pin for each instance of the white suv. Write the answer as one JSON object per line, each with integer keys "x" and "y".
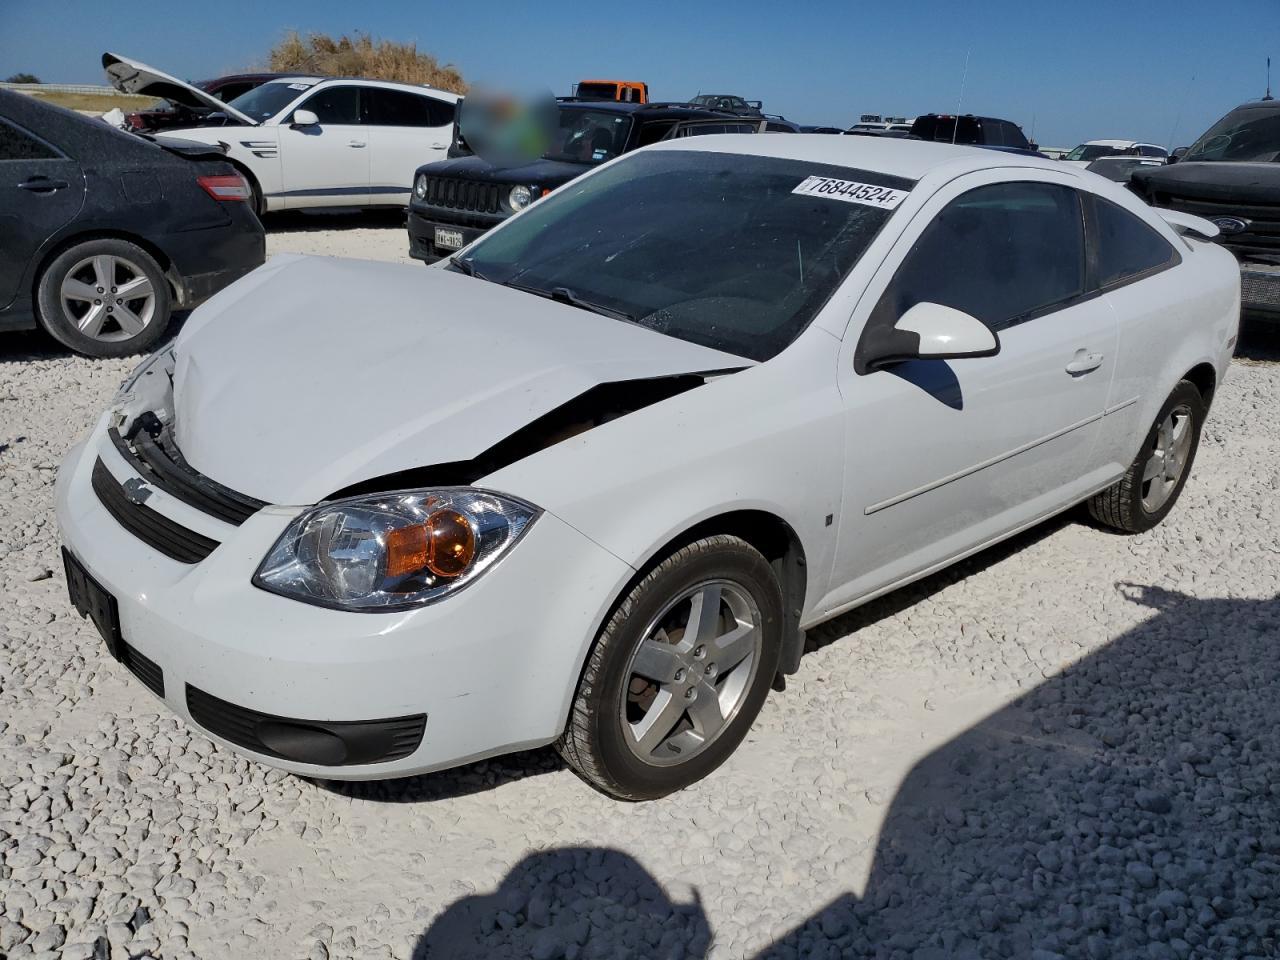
{"x": 311, "y": 141}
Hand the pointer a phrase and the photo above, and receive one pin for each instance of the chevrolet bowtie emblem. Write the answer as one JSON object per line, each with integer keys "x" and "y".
{"x": 136, "y": 490}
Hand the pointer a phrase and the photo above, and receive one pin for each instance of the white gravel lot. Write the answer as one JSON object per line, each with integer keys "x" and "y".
{"x": 1067, "y": 746}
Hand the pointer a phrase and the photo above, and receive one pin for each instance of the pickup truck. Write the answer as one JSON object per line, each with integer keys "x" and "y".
{"x": 1230, "y": 176}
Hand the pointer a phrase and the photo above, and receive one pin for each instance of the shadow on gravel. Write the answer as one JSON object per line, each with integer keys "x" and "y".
{"x": 1126, "y": 807}
{"x": 22, "y": 346}
{"x": 458, "y": 782}
{"x": 296, "y": 221}
{"x": 1259, "y": 339}
{"x": 908, "y": 596}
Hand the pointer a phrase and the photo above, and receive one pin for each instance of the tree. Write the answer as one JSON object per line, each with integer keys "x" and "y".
{"x": 362, "y": 56}
{"x": 23, "y": 78}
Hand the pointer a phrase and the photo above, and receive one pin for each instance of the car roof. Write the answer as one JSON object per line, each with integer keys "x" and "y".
{"x": 661, "y": 109}
{"x": 893, "y": 156}
{"x": 1114, "y": 143}
{"x": 366, "y": 81}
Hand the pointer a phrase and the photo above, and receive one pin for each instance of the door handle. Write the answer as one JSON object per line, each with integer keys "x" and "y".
{"x": 43, "y": 185}
{"x": 355, "y": 143}
{"x": 440, "y": 147}
{"x": 1084, "y": 363}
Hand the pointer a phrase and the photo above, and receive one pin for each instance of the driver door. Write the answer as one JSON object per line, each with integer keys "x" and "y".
{"x": 326, "y": 164}
{"x": 944, "y": 456}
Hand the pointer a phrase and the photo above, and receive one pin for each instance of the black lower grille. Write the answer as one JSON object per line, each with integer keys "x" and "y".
{"x": 459, "y": 194}
{"x": 1260, "y": 290}
{"x": 332, "y": 743}
{"x": 162, "y": 465}
{"x": 146, "y": 670}
{"x": 152, "y": 528}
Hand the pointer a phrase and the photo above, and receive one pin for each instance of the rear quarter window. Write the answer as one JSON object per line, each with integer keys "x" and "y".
{"x": 1126, "y": 248}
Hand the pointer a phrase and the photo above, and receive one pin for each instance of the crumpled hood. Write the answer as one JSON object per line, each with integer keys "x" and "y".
{"x": 132, "y": 76}
{"x": 314, "y": 373}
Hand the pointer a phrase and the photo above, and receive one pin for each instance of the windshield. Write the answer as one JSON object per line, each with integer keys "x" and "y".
{"x": 947, "y": 129}
{"x": 598, "y": 91}
{"x": 733, "y": 252}
{"x": 1245, "y": 134}
{"x": 1092, "y": 151}
{"x": 264, "y": 102}
{"x": 589, "y": 136}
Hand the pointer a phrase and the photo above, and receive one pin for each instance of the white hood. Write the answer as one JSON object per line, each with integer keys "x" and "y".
{"x": 130, "y": 76}
{"x": 315, "y": 373}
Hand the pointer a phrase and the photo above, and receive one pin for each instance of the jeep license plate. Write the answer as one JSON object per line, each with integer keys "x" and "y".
{"x": 450, "y": 239}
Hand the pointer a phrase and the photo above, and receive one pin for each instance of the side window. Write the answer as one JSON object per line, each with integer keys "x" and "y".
{"x": 335, "y": 105}
{"x": 16, "y": 144}
{"x": 992, "y": 133}
{"x": 232, "y": 90}
{"x": 395, "y": 108}
{"x": 1148, "y": 151}
{"x": 1126, "y": 247}
{"x": 653, "y": 131}
{"x": 1000, "y": 253}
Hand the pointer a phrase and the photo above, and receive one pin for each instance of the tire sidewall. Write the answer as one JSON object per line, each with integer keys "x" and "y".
{"x": 49, "y": 299}
{"x": 1187, "y": 393}
{"x": 740, "y": 564}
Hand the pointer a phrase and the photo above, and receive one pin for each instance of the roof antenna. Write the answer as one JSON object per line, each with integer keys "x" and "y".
{"x": 1268, "y": 96}
{"x": 955, "y": 131}
{"x": 1177, "y": 117}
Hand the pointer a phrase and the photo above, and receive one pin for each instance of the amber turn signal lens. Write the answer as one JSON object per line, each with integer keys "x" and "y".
{"x": 407, "y": 550}
{"x": 451, "y": 541}
{"x": 445, "y": 545}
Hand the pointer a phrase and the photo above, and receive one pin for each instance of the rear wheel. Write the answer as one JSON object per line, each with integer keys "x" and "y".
{"x": 1151, "y": 486}
{"x": 104, "y": 298}
{"x": 679, "y": 673}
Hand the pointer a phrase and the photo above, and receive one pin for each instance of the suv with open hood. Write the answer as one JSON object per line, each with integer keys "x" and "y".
{"x": 1230, "y": 176}
{"x": 311, "y": 141}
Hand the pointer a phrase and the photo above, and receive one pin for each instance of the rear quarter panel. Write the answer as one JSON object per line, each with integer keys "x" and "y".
{"x": 1170, "y": 323}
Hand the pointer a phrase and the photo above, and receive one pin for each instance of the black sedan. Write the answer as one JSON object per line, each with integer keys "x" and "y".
{"x": 104, "y": 233}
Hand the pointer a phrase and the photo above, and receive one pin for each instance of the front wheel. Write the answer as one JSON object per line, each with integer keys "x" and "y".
{"x": 1151, "y": 486}
{"x": 679, "y": 673}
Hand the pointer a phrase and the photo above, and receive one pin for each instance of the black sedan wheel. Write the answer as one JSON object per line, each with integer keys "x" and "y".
{"x": 104, "y": 298}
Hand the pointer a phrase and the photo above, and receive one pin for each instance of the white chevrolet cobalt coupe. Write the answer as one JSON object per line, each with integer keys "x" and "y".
{"x": 589, "y": 482}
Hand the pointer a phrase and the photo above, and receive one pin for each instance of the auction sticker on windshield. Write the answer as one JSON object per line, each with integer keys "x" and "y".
{"x": 850, "y": 191}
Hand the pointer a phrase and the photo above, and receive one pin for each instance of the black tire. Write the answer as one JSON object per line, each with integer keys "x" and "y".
{"x": 594, "y": 743}
{"x": 1121, "y": 506}
{"x": 113, "y": 339}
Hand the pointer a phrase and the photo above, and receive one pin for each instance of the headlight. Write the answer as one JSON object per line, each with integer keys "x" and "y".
{"x": 395, "y": 550}
{"x": 152, "y": 364}
{"x": 420, "y": 186}
{"x": 520, "y": 197}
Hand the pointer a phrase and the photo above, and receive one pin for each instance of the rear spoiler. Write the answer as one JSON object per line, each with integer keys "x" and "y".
{"x": 1185, "y": 223}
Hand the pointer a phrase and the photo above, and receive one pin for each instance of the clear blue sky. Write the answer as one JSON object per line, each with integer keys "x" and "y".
{"x": 1077, "y": 69}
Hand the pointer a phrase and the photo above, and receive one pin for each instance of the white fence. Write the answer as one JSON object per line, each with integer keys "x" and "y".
{"x": 60, "y": 88}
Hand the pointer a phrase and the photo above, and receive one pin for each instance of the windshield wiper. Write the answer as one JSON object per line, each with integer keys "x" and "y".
{"x": 466, "y": 267}
{"x": 567, "y": 296}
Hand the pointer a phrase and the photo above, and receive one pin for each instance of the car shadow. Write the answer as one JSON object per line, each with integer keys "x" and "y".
{"x": 463, "y": 781}
{"x": 1259, "y": 339}
{"x": 1127, "y": 806}
{"x": 305, "y": 221}
{"x": 23, "y": 346}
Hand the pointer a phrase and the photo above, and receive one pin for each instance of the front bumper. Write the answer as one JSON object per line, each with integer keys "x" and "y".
{"x": 492, "y": 668}
{"x": 422, "y": 233}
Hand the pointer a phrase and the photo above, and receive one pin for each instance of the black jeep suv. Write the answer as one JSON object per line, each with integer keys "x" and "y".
{"x": 1231, "y": 176}
{"x": 455, "y": 201}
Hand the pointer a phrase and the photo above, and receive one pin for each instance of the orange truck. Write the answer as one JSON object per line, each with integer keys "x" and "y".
{"x": 625, "y": 91}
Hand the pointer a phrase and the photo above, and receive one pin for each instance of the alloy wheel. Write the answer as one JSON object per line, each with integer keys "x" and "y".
{"x": 108, "y": 298}
{"x": 1167, "y": 459}
{"x": 691, "y": 672}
